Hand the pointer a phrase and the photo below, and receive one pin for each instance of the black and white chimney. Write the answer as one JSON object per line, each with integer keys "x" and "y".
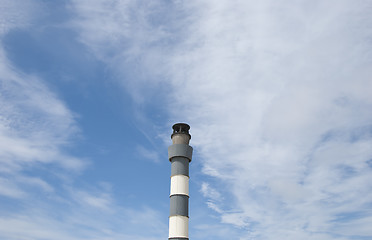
{"x": 180, "y": 155}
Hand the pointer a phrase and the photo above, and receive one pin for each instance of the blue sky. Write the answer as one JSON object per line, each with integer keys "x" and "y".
{"x": 278, "y": 96}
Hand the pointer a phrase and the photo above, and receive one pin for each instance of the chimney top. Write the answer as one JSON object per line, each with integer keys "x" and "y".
{"x": 181, "y": 128}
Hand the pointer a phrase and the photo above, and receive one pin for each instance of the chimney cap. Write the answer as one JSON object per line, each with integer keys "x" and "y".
{"x": 181, "y": 128}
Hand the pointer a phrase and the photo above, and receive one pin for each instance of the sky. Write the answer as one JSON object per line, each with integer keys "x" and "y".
{"x": 278, "y": 95}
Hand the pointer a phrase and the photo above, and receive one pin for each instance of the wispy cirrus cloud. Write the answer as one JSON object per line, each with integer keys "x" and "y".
{"x": 148, "y": 154}
{"x": 278, "y": 97}
{"x": 15, "y": 17}
{"x": 35, "y": 124}
{"x": 38, "y": 175}
{"x": 267, "y": 89}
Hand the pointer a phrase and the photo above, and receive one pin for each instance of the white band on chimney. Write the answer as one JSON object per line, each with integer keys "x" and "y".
{"x": 178, "y": 227}
{"x": 179, "y": 185}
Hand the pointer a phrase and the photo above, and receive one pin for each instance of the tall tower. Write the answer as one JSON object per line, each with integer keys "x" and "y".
{"x": 180, "y": 154}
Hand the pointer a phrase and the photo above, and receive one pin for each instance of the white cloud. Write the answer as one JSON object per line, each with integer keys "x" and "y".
{"x": 35, "y": 182}
{"x": 98, "y": 200}
{"x": 34, "y": 123}
{"x": 9, "y": 189}
{"x": 36, "y": 172}
{"x": 210, "y": 192}
{"x": 263, "y": 112}
{"x": 278, "y": 97}
{"x": 33, "y": 134}
{"x": 41, "y": 224}
{"x": 148, "y": 154}
{"x": 14, "y": 16}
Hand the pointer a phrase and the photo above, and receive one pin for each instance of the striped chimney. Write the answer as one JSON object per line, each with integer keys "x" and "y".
{"x": 180, "y": 154}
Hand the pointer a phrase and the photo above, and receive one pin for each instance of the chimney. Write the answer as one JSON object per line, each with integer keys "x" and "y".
{"x": 180, "y": 154}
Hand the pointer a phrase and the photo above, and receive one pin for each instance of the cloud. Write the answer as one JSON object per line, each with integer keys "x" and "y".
{"x": 9, "y": 189}
{"x": 34, "y": 135}
{"x": 125, "y": 35}
{"x": 41, "y": 224}
{"x": 40, "y": 199}
{"x": 148, "y": 154}
{"x": 15, "y": 17}
{"x": 263, "y": 114}
{"x": 34, "y": 123}
{"x": 97, "y": 199}
{"x": 210, "y": 192}
{"x": 277, "y": 95}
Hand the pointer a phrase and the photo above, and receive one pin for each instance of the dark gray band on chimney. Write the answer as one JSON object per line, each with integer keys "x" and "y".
{"x": 179, "y": 166}
{"x": 179, "y": 205}
{"x": 180, "y": 150}
{"x": 178, "y": 238}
